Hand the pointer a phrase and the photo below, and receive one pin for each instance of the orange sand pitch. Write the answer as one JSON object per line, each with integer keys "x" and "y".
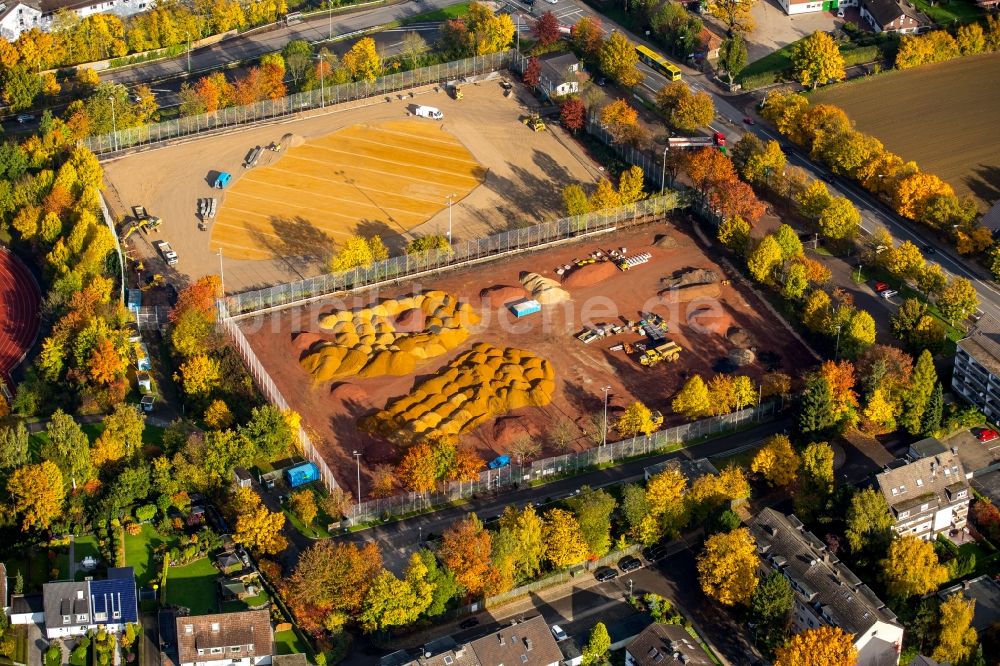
{"x": 386, "y": 178}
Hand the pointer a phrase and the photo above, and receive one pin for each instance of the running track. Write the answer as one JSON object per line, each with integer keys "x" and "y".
{"x": 19, "y": 308}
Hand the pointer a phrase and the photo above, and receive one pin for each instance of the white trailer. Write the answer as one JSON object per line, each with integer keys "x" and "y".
{"x": 429, "y": 112}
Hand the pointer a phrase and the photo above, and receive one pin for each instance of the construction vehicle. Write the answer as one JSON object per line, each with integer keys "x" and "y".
{"x": 717, "y": 139}
{"x": 141, "y": 221}
{"x": 656, "y": 418}
{"x": 668, "y": 351}
{"x": 167, "y": 252}
{"x": 456, "y": 92}
{"x": 533, "y": 121}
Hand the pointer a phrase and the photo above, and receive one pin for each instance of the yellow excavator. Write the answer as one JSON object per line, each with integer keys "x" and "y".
{"x": 668, "y": 351}
{"x": 140, "y": 222}
{"x": 533, "y": 121}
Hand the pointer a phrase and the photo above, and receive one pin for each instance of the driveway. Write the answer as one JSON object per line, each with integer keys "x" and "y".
{"x": 776, "y": 29}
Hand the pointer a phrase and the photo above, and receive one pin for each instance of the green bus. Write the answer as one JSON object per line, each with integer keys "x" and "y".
{"x": 659, "y": 63}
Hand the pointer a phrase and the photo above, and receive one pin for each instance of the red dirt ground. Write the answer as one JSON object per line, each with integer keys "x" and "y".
{"x": 19, "y": 308}
{"x": 581, "y": 370}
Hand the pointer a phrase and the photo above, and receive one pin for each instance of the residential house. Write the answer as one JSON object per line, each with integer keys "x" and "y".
{"x": 826, "y": 591}
{"x": 986, "y": 592}
{"x": 559, "y": 74}
{"x": 977, "y": 368}
{"x": 894, "y": 16}
{"x": 528, "y": 643}
{"x": 73, "y": 608}
{"x": 708, "y": 44}
{"x": 792, "y": 7}
{"x": 225, "y": 639}
{"x": 19, "y": 16}
{"x": 85, "y": 8}
{"x": 242, "y": 477}
{"x": 927, "y": 497}
{"x": 665, "y": 645}
{"x": 921, "y": 660}
{"x": 691, "y": 469}
{"x": 27, "y": 609}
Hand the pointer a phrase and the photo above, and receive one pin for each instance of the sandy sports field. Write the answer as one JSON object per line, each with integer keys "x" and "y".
{"x": 368, "y": 167}
{"x": 332, "y": 408}
{"x": 942, "y": 116}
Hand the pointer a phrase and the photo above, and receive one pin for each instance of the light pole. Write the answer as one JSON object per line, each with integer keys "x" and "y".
{"x": 188, "y": 35}
{"x": 663, "y": 173}
{"x": 519, "y": 32}
{"x": 114, "y": 125}
{"x": 836, "y": 353}
{"x": 357, "y": 456}
{"x": 329, "y": 4}
{"x": 604, "y": 438}
{"x": 451, "y": 199}
{"x": 222, "y": 273}
{"x": 322, "y": 78}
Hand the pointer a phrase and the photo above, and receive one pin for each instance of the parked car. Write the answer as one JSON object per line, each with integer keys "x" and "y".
{"x": 748, "y": 120}
{"x": 629, "y": 563}
{"x": 558, "y": 633}
{"x": 987, "y": 435}
{"x": 499, "y": 461}
{"x": 23, "y": 118}
{"x": 468, "y": 623}
{"x": 888, "y": 294}
{"x": 605, "y": 574}
{"x": 880, "y": 287}
{"x": 654, "y": 553}
{"x": 929, "y": 249}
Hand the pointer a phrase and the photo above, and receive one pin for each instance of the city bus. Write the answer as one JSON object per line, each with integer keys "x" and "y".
{"x": 659, "y": 63}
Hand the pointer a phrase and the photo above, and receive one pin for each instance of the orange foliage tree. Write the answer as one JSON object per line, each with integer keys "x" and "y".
{"x": 465, "y": 549}
{"x": 330, "y": 582}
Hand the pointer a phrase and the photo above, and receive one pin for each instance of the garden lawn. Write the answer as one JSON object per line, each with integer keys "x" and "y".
{"x": 152, "y": 435}
{"x": 287, "y": 642}
{"x": 193, "y": 585}
{"x": 443, "y": 14}
{"x": 949, "y": 11}
{"x": 316, "y": 531}
{"x": 139, "y": 553}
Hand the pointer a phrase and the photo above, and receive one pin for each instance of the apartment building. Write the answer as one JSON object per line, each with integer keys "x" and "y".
{"x": 977, "y": 368}
{"x": 927, "y": 497}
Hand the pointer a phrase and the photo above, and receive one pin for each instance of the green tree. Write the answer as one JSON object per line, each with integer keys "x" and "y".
{"x": 763, "y": 259}
{"x": 14, "y": 450}
{"x": 619, "y": 60}
{"x": 917, "y": 399}
{"x": 69, "y": 448}
{"x": 932, "y": 415}
{"x": 298, "y": 58}
{"x": 443, "y": 580}
{"x": 958, "y": 300}
{"x": 593, "y": 509}
{"x": 868, "y": 520}
{"x": 21, "y": 85}
{"x": 635, "y": 507}
{"x": 771, "y": 604}
{"x": 815, "y": 479}
{"x": 270, "y": 431}
{"x": 596, "y": 650}
{"x": 816, "y": 409}
{"x": 734, "y": 233}
{"x": 817, "y": 59}
{"x": 840, "y": 219}
{"x": 733, "y": 56}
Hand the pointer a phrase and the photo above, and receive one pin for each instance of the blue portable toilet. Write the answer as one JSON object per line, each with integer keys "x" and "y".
{"x": 134, "y": 299}
{"x": 301, "y": 474}
{"x": 222, "y": 180}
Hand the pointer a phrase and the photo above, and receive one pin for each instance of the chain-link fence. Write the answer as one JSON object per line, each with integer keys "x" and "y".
{"x": 523, "y": 474}
{"x": 268, "y": 109}
{"x": 478, "y": 249}
{"x": 272, "y": 393}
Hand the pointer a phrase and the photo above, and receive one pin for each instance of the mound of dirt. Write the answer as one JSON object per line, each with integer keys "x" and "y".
{"x": 740, "y": 337}
{"x": 590, "y": 274}
{"x": 500, "y": 295}
{"x": 508, "y": 430}
{"x": 742, "y": 356}
{"x": 690, "y": 278}
{"x": 347, "y": 392}
{"x": 293, "y": 140}
{"x": 410, "y": 321}
{"x": 665, "y": 241}
{"x": 686, "y": 294}
{"x": 544, "y": 290}
{"x": 304, "y": 340}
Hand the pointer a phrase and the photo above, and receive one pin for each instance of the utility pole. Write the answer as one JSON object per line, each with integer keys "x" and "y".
{"x": 451, "y": 199}
{"x": 222, "y": 273}
{"x": 663, "y": 173}
{"x": 357, "y": 456}
{"x": 604, "y": 438}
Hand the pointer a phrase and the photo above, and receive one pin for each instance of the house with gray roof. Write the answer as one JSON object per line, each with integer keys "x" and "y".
{"x": 899, "y": 16}
{"x": 976, "y": 376}
{"x": 927, "y": 497}
{"x": 986, "y": 593}
{"x": 528, "y": 643}
{"x": 665, "y": 645}
{"x": 827, "y": 593}
{"x": 73, "y": 608}
{"x": 225, "y": 639}
{"x": 559, "y": 74}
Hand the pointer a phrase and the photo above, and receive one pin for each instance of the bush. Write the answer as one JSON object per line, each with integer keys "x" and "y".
{"x": 859, "y": 55}
{"x": 145, "y": 512}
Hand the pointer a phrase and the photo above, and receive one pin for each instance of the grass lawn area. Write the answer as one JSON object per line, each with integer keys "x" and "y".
{"x": 314, "y": 532}
{"x": 288, "y": 643}
{"x": 443, "y": 14}
{"x": 947, "y": 12}
{"x": 777, "y": 61}
{"x": 35, "y": 572}
{"x": 84, "y": 546}
{"x": 139, "y": 553}
{"x": 740, "y": 458}
{"x": 193, "y": 585}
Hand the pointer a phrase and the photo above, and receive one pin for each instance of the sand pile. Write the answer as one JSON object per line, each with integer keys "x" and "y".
{"x": 367, "y": 342}
{"x": 544, "y": 290}
{"x": 304, "y": 340}
{"x": 590, "y": 274}
{"x": 666, "y": 241}
{"x": 346, "y": 392}
{"x": 742, "y": 356}
{"x": 510, "y": 429}
{"x": 685, "y": 294}
{"x": 500, "y": 295}
{"x": 478, "y": 385}
{"x": 740, "y": 337}
{"x": 688, "y": 278}
{"x": 293, "y": 140}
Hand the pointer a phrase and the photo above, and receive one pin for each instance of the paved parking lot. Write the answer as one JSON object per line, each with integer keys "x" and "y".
{"x": 776, "y": 29}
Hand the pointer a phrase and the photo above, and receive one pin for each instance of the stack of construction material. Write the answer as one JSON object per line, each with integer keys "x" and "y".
{"x": 635, "y": 260}
{"x": 543, "y": 289}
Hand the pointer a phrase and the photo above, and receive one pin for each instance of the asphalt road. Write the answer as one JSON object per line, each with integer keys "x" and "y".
{"x": 399, "y": 539}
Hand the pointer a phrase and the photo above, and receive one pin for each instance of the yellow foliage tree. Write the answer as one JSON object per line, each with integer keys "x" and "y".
{"x": 958, "y": 638}
{"x": 840, "y": 219}
{"x": 36, "y": 494}
{"x": 734, "y": 14}
{"x": 912, "y": 568}
{"x": 637, "y": 419}
{"x": 763, "y": 259}
{"x": 257, "y": 528}
{"x": 632, "y": 185}
{"x": 727, "y": 567}
{"x": 564, "y": 542}
{"x": 914, "y": 192}
{"x": 359, "y": 252}
{"x": 777, "y": 461}
{"x": 604, "y": 196}
{"x": 668, "y": 511}
{"x": 822, "y": 646}
{"x": 817, "y": 59}
{"x": 363, "y": 61}
{"x": 621, "y": 120}
{"x": 303, "y": 505}
{"x": 880, "y": 414}
{"x": 692, "y": 400}
{"x": 200, "y": 375}
{"x": 619, "y": 60}
{"x": 218, "y": 416}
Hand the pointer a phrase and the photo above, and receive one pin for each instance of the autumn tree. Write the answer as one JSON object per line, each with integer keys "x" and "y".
{"x": 605, "y": 196}
{"x": 622, "y": 122}
{"x": 733, "y": 56}
{"x": 868, "y": 520}
{"x": 68, "y": 448}
{"x": 331, "y": 581}
{"x": 958, "y": 300}
{"x": 362, "y": 61}
{"x": 692, "y": 400}
{"x": 727, "y": 567}
{"x": 36, "y": 494}
{"x": 121, "y": 437}
{"x": 840, "y": 219}
{"x": 619, "y": 61}
{"x": 527, "y": 533}
{"x": 761, "y": 166}
{"x": 764, "y": 258}
{"x": 734, "y": 233}
{"x": 817, "y": 59}
{"x": 632, "y": 185}
{"x": 771, "y": 604}
{"x": 637, "y": 419}
{"x": 911, "y": 568}
{"x": 573, "y": 114}
{"x": 821, "y": 646}
{"x": 359, "y": 252}
{"x": 593, "y": 509}
{"x": 257, "y": 527}
{"x": 303, "y": 505}
{"x": 546, "y": 29}
{"x": 532, "y": 72}
{"x": 465, "y": 549}
{"x": 777, "y": 461}
{"x": 734, "y": 14}
{"x": 957, "y": 639}
{"x": 395, "y": 602}
{"x": 575, "y": 200}
{"x": 491, "y": 32}
{"x": 588, "y": 37}
{"x": 685, "y": 111}
{"x": 218, "y": 415}
{"x": 417, "y": 470}
{"x": 564, "y": 541}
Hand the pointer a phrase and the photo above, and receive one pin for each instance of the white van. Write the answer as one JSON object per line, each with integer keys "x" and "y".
{"x": 429, "y": 112}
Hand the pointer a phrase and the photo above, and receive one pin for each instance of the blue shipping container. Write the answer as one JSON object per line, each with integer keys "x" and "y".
{"x": 525, "y": 308}
{"x": 301, "y": 474}
{"x": 134, "y": 299}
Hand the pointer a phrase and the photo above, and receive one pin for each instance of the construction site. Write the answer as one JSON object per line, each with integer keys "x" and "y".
{"x": 519, "y": 348}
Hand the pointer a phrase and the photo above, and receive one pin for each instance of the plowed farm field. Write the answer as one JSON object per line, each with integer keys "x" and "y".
{"x": 942, "y": 116}
{"x": 393, "y": 175}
